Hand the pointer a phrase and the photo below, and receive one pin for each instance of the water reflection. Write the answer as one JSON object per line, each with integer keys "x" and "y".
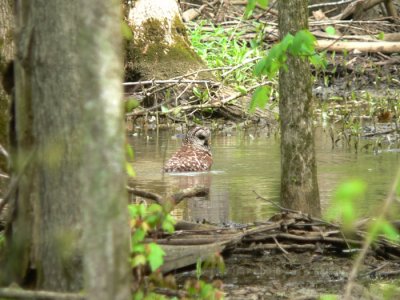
{"x": 250, "y": 161}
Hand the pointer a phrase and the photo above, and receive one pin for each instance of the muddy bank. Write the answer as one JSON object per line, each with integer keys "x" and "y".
{"x": 300, "y": 276}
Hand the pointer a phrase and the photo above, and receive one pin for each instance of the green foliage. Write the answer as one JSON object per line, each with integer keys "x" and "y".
{"x": 130, "y": 155}
{"x": 345, "y": 202}
{"x": 302, "y": 44}
{"x": 329, "y": 297}
{"x": 381, "y": 36}
{"x": 199, "y": 269}
{"x": 381, "y": 226}
{"x": 131, "y": 104}
{"x": 202, "y": 290}
{"x": 126, "y": 31}
{"x": 251, "y": 5}
{"x": 330, "y": 30}
{"x": 224, "y": 48}
{"x": 144, "y": 220}
{"x": 260, "y": 98}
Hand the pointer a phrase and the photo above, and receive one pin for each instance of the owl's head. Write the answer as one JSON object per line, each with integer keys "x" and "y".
{"x": 199, "y": 137}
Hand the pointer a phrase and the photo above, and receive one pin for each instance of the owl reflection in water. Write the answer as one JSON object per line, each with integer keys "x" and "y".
{"x": 194, "y": 154}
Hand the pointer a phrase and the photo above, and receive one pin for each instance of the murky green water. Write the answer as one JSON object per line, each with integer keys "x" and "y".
{"x": 247, "y": 161}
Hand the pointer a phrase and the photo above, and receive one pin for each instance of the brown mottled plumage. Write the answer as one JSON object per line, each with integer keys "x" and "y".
{"x": 194, "y": 154}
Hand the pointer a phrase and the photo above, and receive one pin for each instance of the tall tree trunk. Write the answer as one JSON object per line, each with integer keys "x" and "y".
{"x": 103, "y": 176}
{"x": 69, "y": 149}
{"x": 6, "y": 55}
{"x": 299, "y": 187}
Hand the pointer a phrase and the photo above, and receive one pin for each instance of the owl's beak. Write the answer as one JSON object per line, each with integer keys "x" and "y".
{"x": 207, "y": 143}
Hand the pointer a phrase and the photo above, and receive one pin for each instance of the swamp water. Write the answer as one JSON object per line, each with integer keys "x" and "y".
{"x": 247, "y": 161}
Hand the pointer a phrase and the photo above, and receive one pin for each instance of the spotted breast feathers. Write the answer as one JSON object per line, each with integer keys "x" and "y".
{"x": 194, "y": 154}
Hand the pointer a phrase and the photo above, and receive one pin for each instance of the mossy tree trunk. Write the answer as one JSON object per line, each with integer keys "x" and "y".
{"x": 6, "y": 55}
{"x": 70, "y": 202}
{"x": 299, "y": 186}
{"x": 160, "y": 48}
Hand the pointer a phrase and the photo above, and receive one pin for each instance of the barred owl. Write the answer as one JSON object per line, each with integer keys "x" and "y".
{"x": 194, "y": 154}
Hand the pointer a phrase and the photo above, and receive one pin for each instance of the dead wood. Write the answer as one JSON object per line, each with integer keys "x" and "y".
{"x": 197, "y": 191}
{"x": 387, "y": 47}
{"x": 263, "y": 247}
{"x": 281, "y": 233}
{"x": 14, "y": 293}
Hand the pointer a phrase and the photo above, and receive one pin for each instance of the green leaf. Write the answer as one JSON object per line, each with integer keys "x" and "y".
{"x": 330, "y": 30}
{"x": 381, "y": 36}
{"x": 138, "y": 248}
{"x": 251, "y": 4}
{"x": 241, "y": 89}
{"x": 345, "y": 202}
{"x": 129, "y": 151}
{"x": 129, "y": 170}
{"x": 164, "y": 109}
{"x": 133, "y": 211}
{"x": 389, "y": 231}
{"x": 168, "y": 226}
{"x": 260, "y": 98}
{"x": 263, "y": 3}
{"x": 138, "y": 236}
{"x": 303, "y": 43}
{"x": 155, "y": 256}
{"x": 198, "y": 268}
{"x": 286, "y": 42}
{"x": 350, "y": 191}
{"x": 260, "y": 67}
{"x": 131, "y": 104}
{"x": 153, "y": 220}
{"x": 126, "y": 31}
{"x": 319, "y": 60}
{"x": 329, "y": 297}
{"x": 138, "y": 260}
{"x": 154, "y": 208}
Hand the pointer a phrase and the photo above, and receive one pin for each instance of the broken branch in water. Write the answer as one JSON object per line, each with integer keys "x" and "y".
{"x": 196, "y": 191}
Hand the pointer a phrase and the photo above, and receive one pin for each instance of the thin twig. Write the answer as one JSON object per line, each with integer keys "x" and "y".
{"x": 169, "y": 81}
{"x": 275, "y": 204}
{"x": 280, "y": 247}
{"x": 247, "y": 61}
{"x": 330, "y": 3}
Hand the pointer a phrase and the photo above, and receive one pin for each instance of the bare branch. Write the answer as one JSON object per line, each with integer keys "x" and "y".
{"x": 13, "y": 293}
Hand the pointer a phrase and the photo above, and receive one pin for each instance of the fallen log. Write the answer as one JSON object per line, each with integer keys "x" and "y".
{"x": 387, "y": 47}
{"x": 281, "y": 233}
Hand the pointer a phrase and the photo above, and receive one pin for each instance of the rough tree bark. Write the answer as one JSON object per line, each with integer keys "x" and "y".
{"x": 6, "y": 55}
{"x": 70, "y": 157}
{"x": 160, "y": 48}
{"x": 299, "y": 187}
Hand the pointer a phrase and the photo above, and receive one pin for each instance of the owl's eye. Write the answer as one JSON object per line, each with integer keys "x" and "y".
{"x": 201, "y": 137}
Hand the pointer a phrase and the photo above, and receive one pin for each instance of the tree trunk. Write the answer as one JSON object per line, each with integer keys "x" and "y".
{"x": 103, "y": 178}
{"x": 160, "y": 48}
{"x": 6, "y": 55}
{"x": 69, "y": 150}
{"x": 299, "y": 187}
